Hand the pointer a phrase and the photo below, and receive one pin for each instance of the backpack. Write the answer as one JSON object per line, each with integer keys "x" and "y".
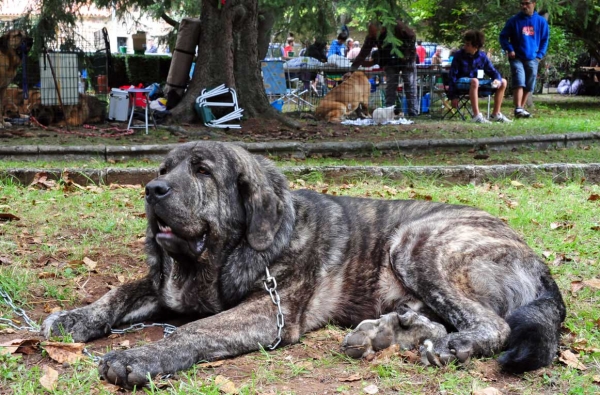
{"x": 563, "y": 87}
{"x": 577, "y": 87}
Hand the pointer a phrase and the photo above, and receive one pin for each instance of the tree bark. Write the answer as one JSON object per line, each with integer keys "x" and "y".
{"x": 228, "y": 54}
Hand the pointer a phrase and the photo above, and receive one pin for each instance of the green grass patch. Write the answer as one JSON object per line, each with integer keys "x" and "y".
{"x": 42, "y": 267}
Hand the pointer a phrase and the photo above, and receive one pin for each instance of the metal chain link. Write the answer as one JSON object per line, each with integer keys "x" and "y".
{"x": 30, "y": 326}
{"x": 271, "y": 287}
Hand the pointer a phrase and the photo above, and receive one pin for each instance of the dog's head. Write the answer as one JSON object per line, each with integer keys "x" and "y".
{"x": 15, "y": 41}
{"x": 214, "y": 196}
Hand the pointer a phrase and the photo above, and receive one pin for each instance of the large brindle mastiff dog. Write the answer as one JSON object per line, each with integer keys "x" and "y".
{"x": 12, "y": 46}
{"x": 453, "y": 280}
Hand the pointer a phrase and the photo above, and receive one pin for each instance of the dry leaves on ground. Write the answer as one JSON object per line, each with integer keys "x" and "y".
{"x": 570, "y": 359}
{"x": 19, "y": 346}
{"x": 64, "y": 352}
{"x": 48, "y": 380}
{"x": 488, "y": 391}
{"x": 225, "y": 385}
{"x": 577, "y": 286}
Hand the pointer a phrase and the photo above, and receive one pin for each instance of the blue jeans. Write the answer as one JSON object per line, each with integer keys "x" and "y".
{"x": 524, "y": 73}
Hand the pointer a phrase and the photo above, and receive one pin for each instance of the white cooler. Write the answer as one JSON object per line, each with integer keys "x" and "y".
{"x": 118, "y": 109}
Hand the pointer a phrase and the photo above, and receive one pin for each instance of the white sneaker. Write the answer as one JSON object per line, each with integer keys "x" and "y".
{"x": 479, "y": 119}
{"x": 499, "y": 118}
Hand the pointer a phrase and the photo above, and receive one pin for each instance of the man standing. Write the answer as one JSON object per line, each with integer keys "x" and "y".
{"x": 392, "y": 63}
{"x": 525, "y": 40}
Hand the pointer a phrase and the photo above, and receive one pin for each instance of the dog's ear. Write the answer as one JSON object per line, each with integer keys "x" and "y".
{"x": 264, "y": 209}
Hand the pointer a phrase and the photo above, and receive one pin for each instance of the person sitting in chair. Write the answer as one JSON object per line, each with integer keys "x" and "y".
{"x": 468, "y": 66}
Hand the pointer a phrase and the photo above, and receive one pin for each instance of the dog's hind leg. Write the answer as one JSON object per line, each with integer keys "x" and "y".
{"x": 131, "y": 302}
{"x": 449, "y": 294}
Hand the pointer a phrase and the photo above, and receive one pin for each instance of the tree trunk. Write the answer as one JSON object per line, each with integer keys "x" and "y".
{"x": 228, "y": 54}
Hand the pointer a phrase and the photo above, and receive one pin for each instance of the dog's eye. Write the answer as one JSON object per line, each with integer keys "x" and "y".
{"x": 162, "y": 171}
{"x": 201, "y": 170}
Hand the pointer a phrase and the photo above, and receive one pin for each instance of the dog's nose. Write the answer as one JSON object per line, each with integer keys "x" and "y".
{"x": 157, "y": 190}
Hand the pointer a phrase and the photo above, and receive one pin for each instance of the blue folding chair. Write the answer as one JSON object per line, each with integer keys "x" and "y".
{"x": 276, "y": 84}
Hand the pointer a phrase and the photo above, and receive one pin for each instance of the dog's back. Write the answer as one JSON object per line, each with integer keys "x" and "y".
{"x": 345, "y": 98}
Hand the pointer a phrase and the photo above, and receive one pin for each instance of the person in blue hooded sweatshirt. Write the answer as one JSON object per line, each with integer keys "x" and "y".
{"x": 525, "y": 40}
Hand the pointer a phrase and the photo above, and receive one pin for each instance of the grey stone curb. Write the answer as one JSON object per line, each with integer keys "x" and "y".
{"x": 157, "y": 152}
{"x": 560, "y": 172}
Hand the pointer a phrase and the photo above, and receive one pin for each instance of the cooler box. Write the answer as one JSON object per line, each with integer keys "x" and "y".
{"x": 118, "y": 109}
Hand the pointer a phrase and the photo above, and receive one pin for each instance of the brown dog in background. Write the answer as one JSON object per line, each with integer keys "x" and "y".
{"x": 11, "y": 50}
{"x": 346, "y": 98}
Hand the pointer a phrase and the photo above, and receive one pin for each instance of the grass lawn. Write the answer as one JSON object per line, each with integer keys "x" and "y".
{"x": 553, "y": 114}
{"x": 71, "y": 245}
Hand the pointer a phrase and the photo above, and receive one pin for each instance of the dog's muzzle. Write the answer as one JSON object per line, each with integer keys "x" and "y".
{"x": 157, "y": 190}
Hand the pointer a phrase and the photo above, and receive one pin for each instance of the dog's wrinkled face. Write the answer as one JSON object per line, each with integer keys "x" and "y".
{"x": 193, "y": 199}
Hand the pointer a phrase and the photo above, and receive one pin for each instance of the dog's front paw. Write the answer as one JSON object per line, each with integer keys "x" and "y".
{"x": 79, "y": 324}
{"x": 131, "y": 368}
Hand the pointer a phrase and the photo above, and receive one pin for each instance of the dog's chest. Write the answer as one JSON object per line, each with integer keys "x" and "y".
{"x": 189, "y": 292}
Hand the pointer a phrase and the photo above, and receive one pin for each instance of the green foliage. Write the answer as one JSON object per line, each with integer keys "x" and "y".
{"x": 147, "y": 69}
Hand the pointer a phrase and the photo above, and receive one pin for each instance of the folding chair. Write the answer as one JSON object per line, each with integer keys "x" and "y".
{"x": 463, "y": 108}
{"x": 276, "y": 84}
{"x": 204, "y": 102}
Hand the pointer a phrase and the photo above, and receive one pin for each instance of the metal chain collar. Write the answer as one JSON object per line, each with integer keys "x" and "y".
{"x": 33, "y": 327}
{"x": 271, "y": 287}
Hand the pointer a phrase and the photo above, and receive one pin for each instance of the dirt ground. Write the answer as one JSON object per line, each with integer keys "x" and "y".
{"x": 253, "y": 130}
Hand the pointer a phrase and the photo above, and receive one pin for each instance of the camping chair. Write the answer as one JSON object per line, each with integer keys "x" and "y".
{"x": 463, "y": 108}
{"x": 227, "y": 98}
{"x": 276, "y": 84}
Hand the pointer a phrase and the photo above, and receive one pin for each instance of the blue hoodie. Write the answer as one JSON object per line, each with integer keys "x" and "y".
{"x": 526, "y": 35}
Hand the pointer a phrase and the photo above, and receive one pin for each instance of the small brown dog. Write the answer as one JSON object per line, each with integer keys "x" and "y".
{"x": 12, "y": 45}
{"x": 346, "y": 98}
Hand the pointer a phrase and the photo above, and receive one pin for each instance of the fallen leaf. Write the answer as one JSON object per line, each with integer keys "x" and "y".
{"x": 594, "y": 196}
{"x": 570, "y": 359}
{"x": 389, "y": 352}
{"x": 89, "y": 263}
{"x": 113, "y": 389}
{"x": 64, "y": 352}
{"x": 371, "y": 389}
{"x": 48, "y": 380}
{"x": 596, "y": 379}
{"x": 9, "y": 217}
{"x": 576, "y": 286}
{"x": 593, "y": 283}
{"x": 488, "y": 391}
{"x": 121, "y": 278}
{"x": 410, "y": 356}
{"x": 516, "y": 184}
{"x": 10, "y": 346}
{"x": 211, "y": 364}
{"x": 225, "y": 385}
{"x": 349, "y": 379}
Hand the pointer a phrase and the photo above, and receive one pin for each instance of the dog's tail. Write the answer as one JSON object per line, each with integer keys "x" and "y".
{"x": 534, "y": 330}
